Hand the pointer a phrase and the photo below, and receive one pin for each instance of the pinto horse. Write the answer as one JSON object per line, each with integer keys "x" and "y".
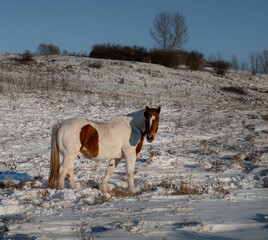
{"x": 121, "y": 137}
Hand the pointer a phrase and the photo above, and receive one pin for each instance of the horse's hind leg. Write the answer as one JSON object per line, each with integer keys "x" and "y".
{"x": 70, "y": 175}
{"x": 110, "y": 170}
{"x": 66, "y": 167}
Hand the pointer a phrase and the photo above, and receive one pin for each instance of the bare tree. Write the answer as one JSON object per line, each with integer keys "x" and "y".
{"x": 263, "y": 62}
{"x": 219, "y": 56}
{"x": 254, "y": 62}
{"x": 234, "y": 62}
{"x": 244, "y": 66}
{"x": 169, "y": 30}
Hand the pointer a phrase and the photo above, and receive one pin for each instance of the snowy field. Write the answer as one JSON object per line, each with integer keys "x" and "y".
{"x": 205, "y": 176}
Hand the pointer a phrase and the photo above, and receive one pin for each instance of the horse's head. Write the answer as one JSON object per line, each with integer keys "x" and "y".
{"x": 151, "y": 122}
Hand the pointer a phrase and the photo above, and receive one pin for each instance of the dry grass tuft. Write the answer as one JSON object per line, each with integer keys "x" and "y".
{"x": 9, "y": 184}
{"x": 265, "y": 117}
{"x": 149, "y": 187}
{"x": 154, "y": 154}
{"x": 238, "y": 158}
{"x": 217, "y": 166}
{"x": 218, "y": 187}
{"x": 185, "y": 187}
{"x": 100, "y": 199}
{"x": 188, "y": 188}
{"x": 43, "y": 194}
{"x": 120, "y": 193}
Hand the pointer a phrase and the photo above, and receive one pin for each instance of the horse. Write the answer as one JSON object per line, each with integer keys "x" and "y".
{"x": 121, "y": 137}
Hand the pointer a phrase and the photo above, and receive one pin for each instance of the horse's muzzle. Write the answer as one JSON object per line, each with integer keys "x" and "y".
{"x": 150, "y": 139}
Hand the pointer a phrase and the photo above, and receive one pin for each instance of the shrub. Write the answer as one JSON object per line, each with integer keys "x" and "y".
{"x": 26, "y": 57}
{"x": 166, "y": 58}
{"x": 220, "y": 67}
{"x": 48, "y": 49}
{"x": 107, "y": 51}
{"x": 118, "y": 52}
{"x": 141, "y": 54}
{"x": 194, "y": 60}
{"x": 170, "y": 58}
{"x": 100, "y": 51}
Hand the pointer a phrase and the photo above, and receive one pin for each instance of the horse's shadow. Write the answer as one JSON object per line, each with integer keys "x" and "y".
{"x": 261, "y": 218}
{"x": 9, "y": 175}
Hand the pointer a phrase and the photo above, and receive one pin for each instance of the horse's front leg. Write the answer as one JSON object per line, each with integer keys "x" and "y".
{"x": 110, "y": 170}
{"x": 130, "y": 163}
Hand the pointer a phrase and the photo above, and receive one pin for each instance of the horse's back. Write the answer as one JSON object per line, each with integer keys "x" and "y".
{"x": 72, "y": 125}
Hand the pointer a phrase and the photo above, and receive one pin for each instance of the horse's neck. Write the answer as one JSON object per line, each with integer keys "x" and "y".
{"x": 138, "y": 120}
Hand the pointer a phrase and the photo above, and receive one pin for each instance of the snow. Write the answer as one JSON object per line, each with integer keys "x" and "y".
{"x": 203, "y": 177}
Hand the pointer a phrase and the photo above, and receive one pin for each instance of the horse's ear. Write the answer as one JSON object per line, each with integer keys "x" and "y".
{"x": 147, "y": 109}
{"x": 158, "y": 109}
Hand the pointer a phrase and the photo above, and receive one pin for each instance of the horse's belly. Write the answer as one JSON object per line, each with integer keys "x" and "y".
{"x": 109, "y": 152}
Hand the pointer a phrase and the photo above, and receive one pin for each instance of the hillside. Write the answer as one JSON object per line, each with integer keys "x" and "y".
{"x": 203, "y": 177}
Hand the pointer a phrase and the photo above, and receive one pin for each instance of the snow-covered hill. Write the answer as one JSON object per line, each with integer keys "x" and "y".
{"x": 204, "y": 176}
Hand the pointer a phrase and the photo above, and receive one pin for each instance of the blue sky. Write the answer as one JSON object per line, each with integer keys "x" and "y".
{"x": 229, "y": 27}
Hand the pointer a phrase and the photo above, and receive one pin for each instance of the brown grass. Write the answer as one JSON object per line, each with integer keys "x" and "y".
{"x": 218, "y": 187}
{"x": 120, "y": 193}
{"x": 43, "y": 194}
{"x": 265, "y": 117}
{"x": 154, "y": 154}
{"x": 100, "y": 199}
{"x": 187, "y": 187}
{"x": 9, "y": 184}
{"x": 238, "y": 158}
{"x": 216, "y": 166}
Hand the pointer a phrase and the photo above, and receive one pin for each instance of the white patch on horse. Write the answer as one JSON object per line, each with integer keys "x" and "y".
{"x": 151, "y": 121}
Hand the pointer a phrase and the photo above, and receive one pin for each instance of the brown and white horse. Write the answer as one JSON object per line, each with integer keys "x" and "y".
{"x": 121, "y": 137}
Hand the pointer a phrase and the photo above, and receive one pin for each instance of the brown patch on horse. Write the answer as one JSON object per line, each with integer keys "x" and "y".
{"x": 89, "y": 139}
{"x": 140, "y": 143}
{"x": 153, "y": 129}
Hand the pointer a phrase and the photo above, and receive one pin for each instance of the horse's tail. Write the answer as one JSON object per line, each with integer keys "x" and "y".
{"x": 54, "y": 159}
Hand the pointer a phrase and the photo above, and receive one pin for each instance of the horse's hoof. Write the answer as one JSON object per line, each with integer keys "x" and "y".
{"x": 73, "y": 186}
{"x": 103, "y": 189}
{"x": 132, "y": 190}
{"x": 60, "y": 187}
